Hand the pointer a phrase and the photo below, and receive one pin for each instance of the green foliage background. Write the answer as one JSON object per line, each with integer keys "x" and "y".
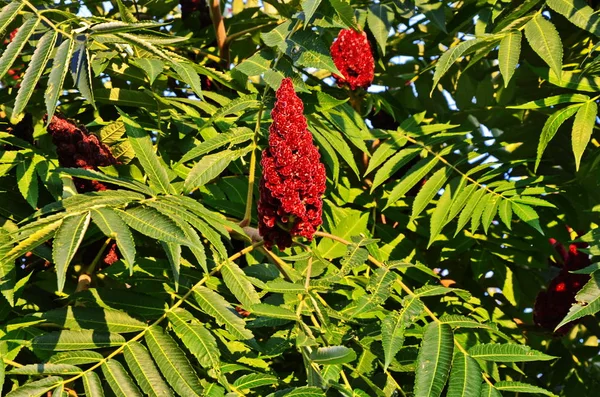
{"x": 477, "y": 142}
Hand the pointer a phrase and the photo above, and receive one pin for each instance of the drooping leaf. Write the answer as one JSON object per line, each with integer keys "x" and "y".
{"x": 144, "y": 371}
{"x": 508, "y": 55}
{"x": 434, "y": 360}
{"x": 251, "y": 381}
{"x": 578, "y": 12}
{"x": 119, "y": 380}
{"x": 465, "y": 377}
{"x": 553, "y": 100}
{"x": 56, "y": 80}
{"x": 583, "y": 126}
{"x": 14, "y": 48}
{"x": 197, "y": 339}
{"x": 235, "y": 136}
{"x": 92, "y": 384}
{"x": 144, "y": 152}
{"x": 551, "y": 127}
{"x": 214, "y": 305}
{"x": 111, "y": 224}
{"x": 429, "y": 190}
{"x": 393, "y": 326}
{"x": 527, "y": 215}
{"x": 34, "y": 72}
{"x": 379, "y": 18}
{"x": 410, "y": 179}
{"x": 172, "y": 362}
{"x": 545, "y": 41}
{"x": 237, "y": 282}
{"x": 66, "y": 242}
{"x": 94, "y": 318}
{"x": 152, "y": 223}
{"x": 8, "y": 14}
{"x": 309, "y": 7}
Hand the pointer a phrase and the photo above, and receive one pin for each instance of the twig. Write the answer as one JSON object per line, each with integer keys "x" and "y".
{"x": 85, "y": 279}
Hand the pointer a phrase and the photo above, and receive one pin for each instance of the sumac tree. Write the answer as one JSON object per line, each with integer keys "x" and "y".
{"x": 299, "y": 198}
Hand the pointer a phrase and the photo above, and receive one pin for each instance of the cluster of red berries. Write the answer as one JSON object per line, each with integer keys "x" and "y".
{"x": 552, "y": 305}
{"x": 293, "y": 180}
{"x": 352, "y": 55}
{"x": 78, "y": 149}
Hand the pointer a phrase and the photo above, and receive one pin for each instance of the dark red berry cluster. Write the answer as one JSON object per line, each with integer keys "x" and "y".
{"x": 351, "y": 53}
{"x": 78, "y": 149}
{"x": 552, "y": 305}
{"x": 293, "y": 180}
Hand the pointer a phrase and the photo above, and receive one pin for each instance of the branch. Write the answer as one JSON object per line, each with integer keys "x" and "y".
{"x": 219, "y": 25}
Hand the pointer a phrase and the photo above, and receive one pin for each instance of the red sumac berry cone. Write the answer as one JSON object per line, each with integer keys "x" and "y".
{"x": 552, "y": 305}
{"x": 78, "y": 149}
{"x": 352, "y": 55}
{"x": 293, "y": 179}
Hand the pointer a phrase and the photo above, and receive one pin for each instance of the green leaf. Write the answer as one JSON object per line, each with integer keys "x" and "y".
{"x": 489, "y": 391}
{"x": 545, "y": 41}
{"x": 257, "y": 64}
{"x": 67, "y": 340}
{"x": 188, "y": 75}
{"x": 251, "y": 381}
{"x": 92, "y": 384}
{"x": 380, "y": 19}
{"x": 124, "y": 97}
{"x": 578, "y": 13}
{"x": 332, "y": 355}
{"x": 98, "y": 176}
{"x": 429, "y": 190}
{"x": 520, "y": 387}
{"x": 527, "y": 215}
{"x": 507, "y": 353}
{"x": 94, "y": 318}
{"x": 453, "y": 53}
{"x": 152, "y": 223}
{"x": 552, "y": 100}
{"x": 33, "y": 241}
{"x": 152, "y": 67}
{"x": 508, "y": 55}
{"x": 583, "y": 126}
{"x": 442, "y": 209}
{"x": 309, "y": 7}
{"x": 465, "y": 377}
{"x": 235, "y": 136}
{"x": 81, "y": 70}
{"x": 14, "y": 48}
{"x": 58, "y": 73}
{"x": 410, "y": 179}
{"x": 207, "y": 169}
{"x": 284, "y": 287}
{"x": 345, "y": 12}
{"x": 505, "y": 212}
{"x": 266, "y": 310}
{"x": 489, "y": 212}
{"x": 172, "y": 362}
{"x": 587, "y": 301}
{"x": 46, "y": 369}
{"x": 144, "y": 151}
{"x": 111, "y": 224}
{"x": 144, "y": 371}
{"x": 78, "y": 357}
{"x": 469, "y": 208}
{"x": 216, "y": 306}
{"x": 393, "y": 326}
{"x": 34, "y": 72}
{"x": 536, "y": 201}
{"x": 36, "y": 388}
{"x": 551, "y": 127}
{"x": 434, "y": 360}
{"x": 308, "y": 49}
{"x": 196, "y": 338}
{"x": 66, "y": 242}
{"x": 27, "y": 180}
{"x": 118, "y": 380}
{"x": 237, "y": 282}
{"x": 9, "y": 13}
